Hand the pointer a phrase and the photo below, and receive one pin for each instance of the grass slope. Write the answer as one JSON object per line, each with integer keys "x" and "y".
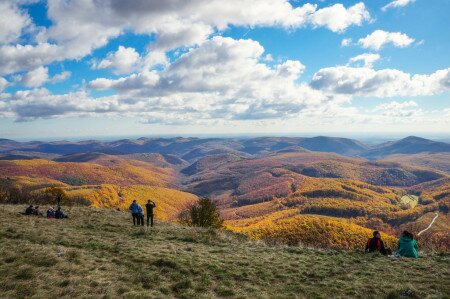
{"x": 97, "y": 253}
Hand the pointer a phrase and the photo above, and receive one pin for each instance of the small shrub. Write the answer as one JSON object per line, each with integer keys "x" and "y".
{"x": 202, "y": 214}
{"x": 161, "y": 263}
{"x": 25, "y": 274}
{"x": 182, "y": 285}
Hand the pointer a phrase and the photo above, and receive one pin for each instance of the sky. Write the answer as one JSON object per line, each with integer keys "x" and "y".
{"x": 77, "y": 68}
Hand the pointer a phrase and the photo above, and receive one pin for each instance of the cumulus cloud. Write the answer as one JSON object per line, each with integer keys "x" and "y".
{"x": 367, "y": 59}
{"x": 35, "y": 78}
{"x": 337, "y": 18}
{"x": 13, "y": 22}
{"x": 123, "y": 61}
{"x": 79, "y": 27}
{"x": 365, "y": 81}
{"x": 3, "y": 84}
{"x": 221, "y": 79}
{"x": 39, "y": 76}
{"x": 396, "y": 3}
{"x": 16, "y": 58}
{"x": 29, "y": 105}
{"x": 377, "y": 39}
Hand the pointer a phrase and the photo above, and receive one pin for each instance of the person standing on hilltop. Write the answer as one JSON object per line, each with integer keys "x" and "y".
{"x": 136, "y": 211}
{"x": 149, "y": 207}
{"x": 376, "y": 244}
{"x": 407, "y": 246}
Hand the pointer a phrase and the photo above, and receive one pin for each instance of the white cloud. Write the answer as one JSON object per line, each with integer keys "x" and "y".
{"x": 367, "y": 59}
{"x": 79, "y": 27}
{"x": 398, "y": 109}
{"x": 123, "y": 61}
{"x": 35, "y": 78}
{"x": 3, "y": 84}
{"x": 337, "y": 18}
{"x": 60, "y": 77}
{"x": 13, "y": 22}
{"x": 365, "y": 81}
{"x": 346, "y": 42}
{"x": 396, "y": 3}
{"x": 40, "y": 103}
{"x": 39, "y": 76}
{"x": 377, "y": 39}
{"x": 28, "y": 57}
{"x": 223, "y": 79}
{"x": 142, "y": 80}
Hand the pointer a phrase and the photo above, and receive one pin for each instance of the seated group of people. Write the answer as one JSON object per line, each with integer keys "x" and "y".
{"x": 407, "y": 246}
{"x": 51, "y": 212}
{"x": 33, "y": 211}
{"x": 58, "y": 214}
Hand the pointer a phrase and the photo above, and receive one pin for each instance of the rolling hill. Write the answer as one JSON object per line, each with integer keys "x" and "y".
{"x": 259, "y": 184}
{"x": 191, "y": 149}
{"x": 408, "y": 145}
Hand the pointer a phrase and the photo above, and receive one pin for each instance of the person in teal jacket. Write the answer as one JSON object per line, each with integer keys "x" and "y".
{"x": 407, "y": 246}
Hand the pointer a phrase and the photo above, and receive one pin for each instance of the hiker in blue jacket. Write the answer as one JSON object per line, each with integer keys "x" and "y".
{"x": 136, "y": 211}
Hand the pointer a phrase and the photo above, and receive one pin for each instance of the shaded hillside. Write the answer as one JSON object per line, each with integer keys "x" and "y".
{"x": 276, "y": 175}
{"x": 190, "y": 148}
{"x": 408, "y": 145}
{"x": 210, "y": 162}
{"x": 97, "y": 253}
{"x": 342, "y": 146}
{"x": 440, "y": 161}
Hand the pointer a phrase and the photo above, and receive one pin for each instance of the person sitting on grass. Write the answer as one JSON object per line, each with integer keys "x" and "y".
{"x": 59, "y": 214}
{"x": 50, "y": 213}
{"x": 376, "y": 244}
{"x": 29, "y": 210}
{"x": 37, "y": 212}
{"x": 136, "y": 211}
{"x": 407, "y": 246}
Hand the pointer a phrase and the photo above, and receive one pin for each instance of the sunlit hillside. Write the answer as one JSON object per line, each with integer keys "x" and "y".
{"x": 107, "y": 169}
{"x": 268, "y": 188}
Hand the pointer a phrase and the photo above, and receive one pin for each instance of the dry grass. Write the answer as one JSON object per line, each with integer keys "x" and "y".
{"x": 97, "y": 253}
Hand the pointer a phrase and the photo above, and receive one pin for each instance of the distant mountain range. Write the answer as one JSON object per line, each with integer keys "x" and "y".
{"x": 191, "y": 149}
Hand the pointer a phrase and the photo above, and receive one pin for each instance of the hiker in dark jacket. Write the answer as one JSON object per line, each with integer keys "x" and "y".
{"x": 149, "y": 207}
{"x": 407, "y": 246}
{"x": 376, "y": 244}
{"x": 136, "y": 211}
{"x": 29, "y": 210}
{"x": 59, "y": 214}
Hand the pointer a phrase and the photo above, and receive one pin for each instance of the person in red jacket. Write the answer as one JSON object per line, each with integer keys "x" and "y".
{"x": 376, "y": 244}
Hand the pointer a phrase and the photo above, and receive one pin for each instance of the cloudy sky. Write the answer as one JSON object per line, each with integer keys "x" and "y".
{"x": 149, "y": 67}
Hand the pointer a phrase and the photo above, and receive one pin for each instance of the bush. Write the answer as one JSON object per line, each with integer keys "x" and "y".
{"x": 203, "y": 214}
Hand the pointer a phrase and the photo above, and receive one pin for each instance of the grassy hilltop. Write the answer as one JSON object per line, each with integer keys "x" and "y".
{"x": 97, "y": 253}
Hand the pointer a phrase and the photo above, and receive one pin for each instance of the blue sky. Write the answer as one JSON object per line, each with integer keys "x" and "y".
{"x": 115, "y": 68}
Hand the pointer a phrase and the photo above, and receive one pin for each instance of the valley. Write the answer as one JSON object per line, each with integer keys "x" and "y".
{"x": 321, "y": 191}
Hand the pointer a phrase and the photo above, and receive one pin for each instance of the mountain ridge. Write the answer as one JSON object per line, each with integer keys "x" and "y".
{"x": 193, "y": 148}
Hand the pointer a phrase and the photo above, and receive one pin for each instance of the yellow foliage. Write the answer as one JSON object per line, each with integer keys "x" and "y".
{"x": 309, "y": 230}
